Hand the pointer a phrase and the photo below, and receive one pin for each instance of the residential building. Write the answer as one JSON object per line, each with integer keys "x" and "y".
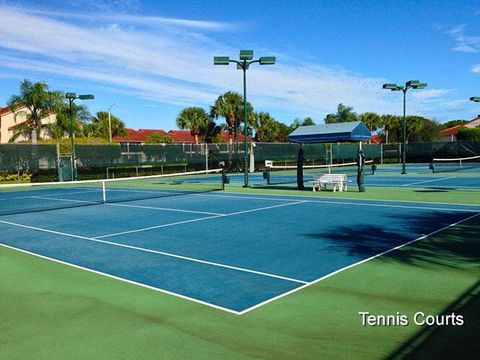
{"x": 450, "y": 134}
{"x": 9, "y": 120}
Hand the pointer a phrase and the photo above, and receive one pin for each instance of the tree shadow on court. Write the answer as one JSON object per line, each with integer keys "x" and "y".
{"x": 447, "y": 247}
{"x": 447, "y": 342}
{"x": 456, "y": 248}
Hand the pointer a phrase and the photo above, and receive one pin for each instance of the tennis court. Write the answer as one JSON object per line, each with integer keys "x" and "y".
{"x": 388, "y": 175}
{"x": 234, "y": 252}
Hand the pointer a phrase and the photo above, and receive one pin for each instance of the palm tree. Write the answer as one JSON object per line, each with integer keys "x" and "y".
{"x": 99, "y": 126}
{"x": 266, "y": 127}
{"x": 61, "y": 128}
{"x": 194, "y": 119}
{"x": 372, "y": 120}
{"x": 392, "y": 127}
{"x": 344, "y": 114}
{"x": 40, "y": 103}
{"x": 210, "y": 131}
{"x": 226, "y": 106}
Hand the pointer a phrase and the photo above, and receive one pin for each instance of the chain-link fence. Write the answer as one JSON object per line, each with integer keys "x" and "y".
{"x": 104, "y": 160}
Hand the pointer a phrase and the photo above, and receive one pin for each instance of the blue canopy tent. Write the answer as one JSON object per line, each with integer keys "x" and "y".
{"x": 348, "y": 131}
{"x": 328, "y": 133}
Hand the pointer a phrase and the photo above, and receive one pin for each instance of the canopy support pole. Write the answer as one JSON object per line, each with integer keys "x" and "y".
{"x": 300, "y": 185}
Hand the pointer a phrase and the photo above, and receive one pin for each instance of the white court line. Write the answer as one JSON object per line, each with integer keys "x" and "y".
{"x": 66, "y": 200}
{"x": 362, "y": 202}
{"x": 124, "y": 280}
{"x": 199, "y": 219}
{"x": 281, "y": 197}
{"x": 355, "y": 264}
{"x": 429, "y": 181}
{"x": 128, "y": 205}
{"x": 165, "y": 209}
{"x": 230, "y": 267}
{"x": 40, "y": 196}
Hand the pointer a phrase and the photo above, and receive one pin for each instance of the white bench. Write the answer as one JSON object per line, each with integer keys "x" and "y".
{"x": 339, "y": 182}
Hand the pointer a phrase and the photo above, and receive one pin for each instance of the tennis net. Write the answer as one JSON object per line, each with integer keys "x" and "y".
{"x": 458, "y": 164}
{"x": 278, "y": 174}
{"x": 33, "y": 197}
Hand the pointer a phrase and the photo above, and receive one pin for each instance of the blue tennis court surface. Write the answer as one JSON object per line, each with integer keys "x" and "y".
{"x": 230, "y": 251}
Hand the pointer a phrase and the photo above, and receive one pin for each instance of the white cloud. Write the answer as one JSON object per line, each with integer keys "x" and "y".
{"x": 174, "y": 64}
{"x": 150, "y": 21}
{"x": 476, "y": 69}
{"x": 430, "y": 94}
{"x": 463, "y": 42}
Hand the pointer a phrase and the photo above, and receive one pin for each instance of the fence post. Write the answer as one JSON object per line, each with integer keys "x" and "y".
{"x": 206, "y": 156}
{"x": 381, "y": 153}
{"x": 59, "y": 167}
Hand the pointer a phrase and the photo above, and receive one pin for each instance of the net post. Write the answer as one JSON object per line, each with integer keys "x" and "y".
{"x": 223, "y": 179}
{"x": 59, "y": 165}
{"x": 104, "y": 193}
{"x": 206, "y": 156}
{"x": 381, "y": 153}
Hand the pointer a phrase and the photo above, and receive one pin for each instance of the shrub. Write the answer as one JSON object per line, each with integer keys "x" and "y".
{"x": 469, "y": 134}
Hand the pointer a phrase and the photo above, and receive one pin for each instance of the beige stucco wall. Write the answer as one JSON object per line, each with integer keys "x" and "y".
{"x": 9, "y": 119}
{"x": 473, "y": 123}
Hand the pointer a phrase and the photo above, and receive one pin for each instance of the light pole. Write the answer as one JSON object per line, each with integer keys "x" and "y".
{"x": 71, "y": 98}
{"x": 110, "y": 121}
{"x": 245, "y": 59}
{"x": 412, "y": 84}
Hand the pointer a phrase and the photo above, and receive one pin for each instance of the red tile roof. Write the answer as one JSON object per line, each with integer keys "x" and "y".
{"x": 376, "y": 139}
{"x": 181, "y": 136}
{"x": 178, "y": 136}
{"x": 139, "y": 135}
{"x": 4, "y": 110}
{"x": 451, "y": 131}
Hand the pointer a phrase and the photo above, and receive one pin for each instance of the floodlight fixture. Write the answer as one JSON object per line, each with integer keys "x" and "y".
{"x": 475, "y": 98}
{"x": 390, "y": 86}
{"x": 246, "y": 54}
{"x": 221, "y": 60}
{"x": 411, "y": 84}
{"x": 71, "y": 96}
{"x": 86, "y": 97}
{"x": 245, "y": 59}
{"x": 267, "y": 60}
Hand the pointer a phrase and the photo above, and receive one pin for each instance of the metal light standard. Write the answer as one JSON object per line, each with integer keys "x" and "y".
{"x": 110, "y": 121}
{"x": 71, "y": 98}
{"x": 412, "y": 84}
{"x": 246, "y": 58}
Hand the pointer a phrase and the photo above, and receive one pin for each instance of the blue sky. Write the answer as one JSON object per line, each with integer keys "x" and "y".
{"x": 154, "y": 58}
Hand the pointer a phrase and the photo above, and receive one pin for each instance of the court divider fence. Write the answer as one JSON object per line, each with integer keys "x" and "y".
{"x": 44, "y": 161}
